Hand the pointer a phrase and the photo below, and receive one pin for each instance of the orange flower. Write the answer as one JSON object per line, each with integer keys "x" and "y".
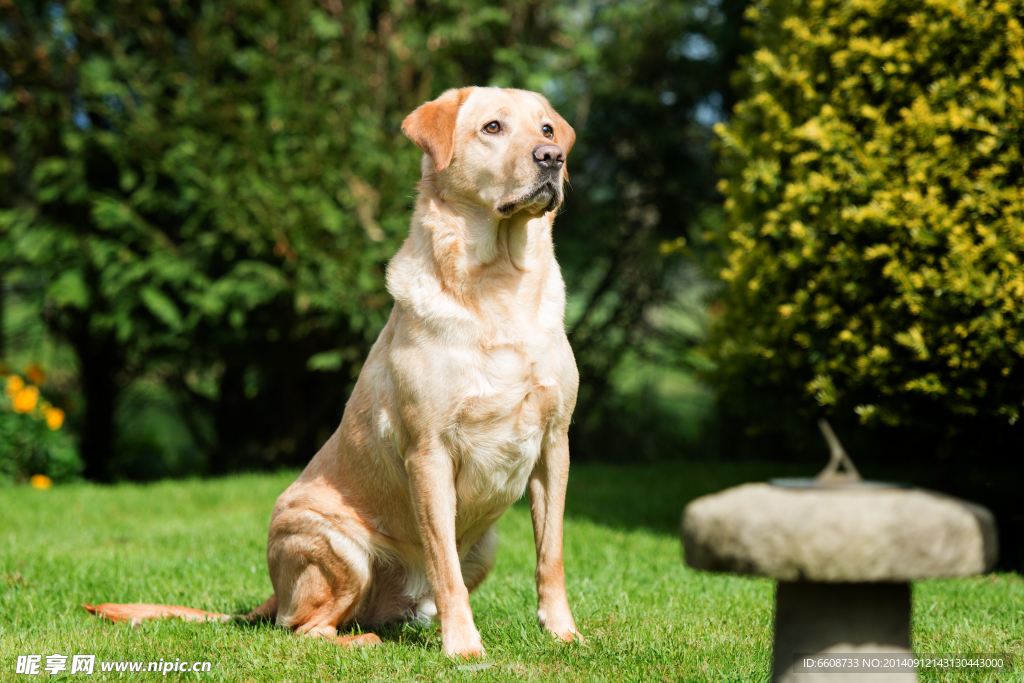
{"x": 14, "y": 385}
{"x": 26, "y": 399}
{"x": 54, "y": 418}
{"x": 41, "y": 482}
{"x": 35, "y": 374}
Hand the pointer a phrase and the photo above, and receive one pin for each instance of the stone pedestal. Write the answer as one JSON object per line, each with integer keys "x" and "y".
{"x": 843, "y": 558}
{"x": 844, "y": 618}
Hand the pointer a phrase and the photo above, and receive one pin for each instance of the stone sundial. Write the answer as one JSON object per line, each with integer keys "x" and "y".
{"x": 843, "y": 551}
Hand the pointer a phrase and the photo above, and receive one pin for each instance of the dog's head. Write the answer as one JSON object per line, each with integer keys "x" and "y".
{"x": 501, "y": 148}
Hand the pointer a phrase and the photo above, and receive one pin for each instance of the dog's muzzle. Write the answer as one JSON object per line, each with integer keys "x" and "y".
{"x": 541, "y": 198}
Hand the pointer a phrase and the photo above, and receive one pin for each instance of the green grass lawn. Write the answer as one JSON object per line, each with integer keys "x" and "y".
{"x": 645, "y": 615}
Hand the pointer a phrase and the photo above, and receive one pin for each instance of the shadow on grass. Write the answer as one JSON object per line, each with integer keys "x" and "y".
{"x": 400, "y": 633}
{"x": 653, "y": 496}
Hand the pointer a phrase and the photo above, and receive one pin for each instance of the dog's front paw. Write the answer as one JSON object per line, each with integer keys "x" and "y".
{"x": 569, "y": 636}
{"x": 563, "y": 628}
{"x": 464, "y": 643}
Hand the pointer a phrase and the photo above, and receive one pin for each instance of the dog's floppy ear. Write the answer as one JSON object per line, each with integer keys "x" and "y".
{"x": 565, "y": 136}
{"x": 432, "y": 126}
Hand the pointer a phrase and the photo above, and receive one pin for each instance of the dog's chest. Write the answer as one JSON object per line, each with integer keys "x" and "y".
{"x": 509, "y": 401}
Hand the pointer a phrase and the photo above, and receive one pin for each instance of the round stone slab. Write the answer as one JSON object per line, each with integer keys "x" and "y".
{"x": 838, "y": 535}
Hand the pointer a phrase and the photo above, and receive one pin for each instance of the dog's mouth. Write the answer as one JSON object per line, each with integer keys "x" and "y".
{"x": 541, "y": 198}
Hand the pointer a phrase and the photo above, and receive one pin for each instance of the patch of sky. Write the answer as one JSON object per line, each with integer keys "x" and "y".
{"x": 113, "y": 102}
{"x": 242, "y": 59}
{"x": 60, "y": 29}
{"x": 554, "y": 90}
{"x": 694, "y": 46}
{"x": 80, "y": 119}
{"x": 603, "y": 35}
{"x": 577, "y": 15}
{"x": 709, "y": 11}
{"x": 709, "y": 110}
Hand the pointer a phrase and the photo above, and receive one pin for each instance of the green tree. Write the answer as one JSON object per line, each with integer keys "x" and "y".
{"x": 207, "y": 195}
{"x": 643, "y": 82}
{"x": 166, "y": 164}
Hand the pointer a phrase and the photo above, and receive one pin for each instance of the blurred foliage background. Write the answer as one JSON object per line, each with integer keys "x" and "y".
{"x": 779, "y": 210}
{"x": 199, "y": 200}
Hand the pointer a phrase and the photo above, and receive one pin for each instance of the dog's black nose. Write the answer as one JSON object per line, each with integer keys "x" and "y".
{"x": 549, "y": 156}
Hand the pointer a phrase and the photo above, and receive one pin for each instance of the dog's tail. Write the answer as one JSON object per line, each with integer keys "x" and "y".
{"x": 137, "y": 612}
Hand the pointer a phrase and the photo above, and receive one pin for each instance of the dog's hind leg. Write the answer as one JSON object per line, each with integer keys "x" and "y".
{"x": 265, "y": 612}
{"x": 320, "y": 576}
{"x": 479, "y": 559}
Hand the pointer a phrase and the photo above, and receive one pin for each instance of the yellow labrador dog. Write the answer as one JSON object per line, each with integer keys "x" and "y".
{"x": 462, "y": 405}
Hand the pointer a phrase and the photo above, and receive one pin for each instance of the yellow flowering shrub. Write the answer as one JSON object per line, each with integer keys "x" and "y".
{"x": 33, "y": 445}
{"x": 874, "y": 185}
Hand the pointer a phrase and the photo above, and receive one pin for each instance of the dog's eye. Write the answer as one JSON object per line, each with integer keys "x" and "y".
{"x": 492, "y": 127}
{"x": 548, "y": 131}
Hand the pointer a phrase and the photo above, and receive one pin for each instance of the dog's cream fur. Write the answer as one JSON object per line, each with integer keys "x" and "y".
{"x": 463, "y": 403}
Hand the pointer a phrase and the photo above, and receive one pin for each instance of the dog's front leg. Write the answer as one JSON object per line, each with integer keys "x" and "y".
{"x": 547, "y": 505}
{"x": 432, "y": 481}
